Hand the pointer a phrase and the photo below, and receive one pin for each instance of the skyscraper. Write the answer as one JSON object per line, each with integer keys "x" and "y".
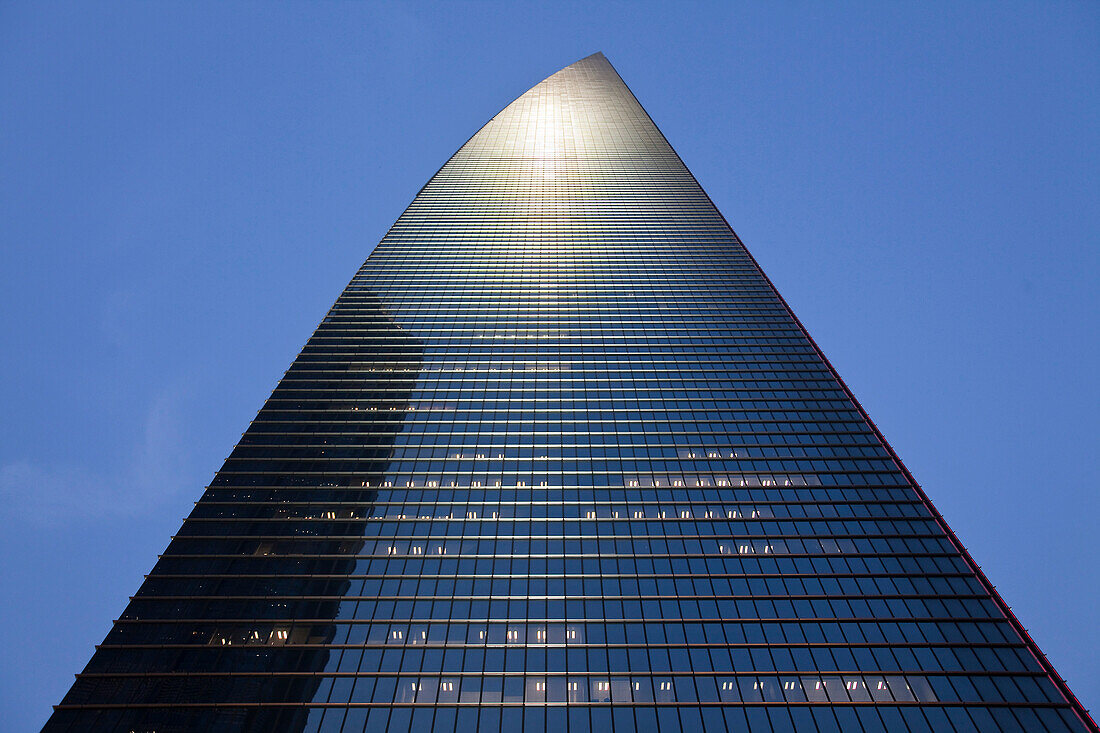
{"x": 561, "y": 458}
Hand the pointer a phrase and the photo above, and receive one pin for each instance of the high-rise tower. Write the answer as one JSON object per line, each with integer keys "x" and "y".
{"x": 561, "y": 459}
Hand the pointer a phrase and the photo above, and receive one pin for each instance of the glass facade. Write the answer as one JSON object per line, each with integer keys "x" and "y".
{"x": 560, "y": 458}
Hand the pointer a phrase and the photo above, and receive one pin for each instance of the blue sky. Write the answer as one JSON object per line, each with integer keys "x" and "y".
{"x": 185, "y": 188}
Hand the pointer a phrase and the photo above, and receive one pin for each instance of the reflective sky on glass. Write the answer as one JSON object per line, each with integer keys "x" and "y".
{"x": 559, "y": 457}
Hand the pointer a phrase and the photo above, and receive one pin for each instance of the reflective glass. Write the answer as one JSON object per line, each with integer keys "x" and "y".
{"x": 560, "y": 458}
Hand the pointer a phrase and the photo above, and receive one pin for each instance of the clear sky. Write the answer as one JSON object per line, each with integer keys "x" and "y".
{"x": 185, "y": 189}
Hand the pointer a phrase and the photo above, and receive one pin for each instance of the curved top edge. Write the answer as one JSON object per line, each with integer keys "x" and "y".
{"x": 598, "y": 55}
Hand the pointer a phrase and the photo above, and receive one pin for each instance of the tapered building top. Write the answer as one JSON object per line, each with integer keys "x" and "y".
{"x": 559, "y": 458}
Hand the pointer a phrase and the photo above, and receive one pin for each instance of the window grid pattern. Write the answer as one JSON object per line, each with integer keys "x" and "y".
{"x": 559, "y": 458}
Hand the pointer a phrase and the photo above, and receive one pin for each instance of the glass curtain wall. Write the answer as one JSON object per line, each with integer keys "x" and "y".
{"x": 560, "y": 458}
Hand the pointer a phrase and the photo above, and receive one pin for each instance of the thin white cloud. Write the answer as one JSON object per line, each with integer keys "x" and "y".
{"x": 57, "y": 494}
